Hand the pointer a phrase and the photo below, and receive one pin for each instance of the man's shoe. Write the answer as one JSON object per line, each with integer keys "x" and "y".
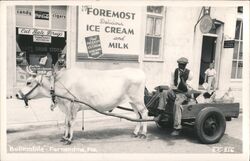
{"x": 157, "y": 118}
{"x": 175, "y": 133}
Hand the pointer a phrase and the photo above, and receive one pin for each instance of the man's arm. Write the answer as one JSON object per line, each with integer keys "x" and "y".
{"x": 190, "y": 76}
{"x": 172, "y": 81}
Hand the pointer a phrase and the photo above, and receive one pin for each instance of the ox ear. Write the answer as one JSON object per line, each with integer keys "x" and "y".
{"x": 56, "y": 69}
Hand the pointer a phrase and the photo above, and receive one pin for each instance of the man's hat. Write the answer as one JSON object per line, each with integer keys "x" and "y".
{"x": 182, "y": 60}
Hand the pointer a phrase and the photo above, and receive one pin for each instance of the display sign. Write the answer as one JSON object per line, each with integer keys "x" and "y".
{"x": 229, "y": 44}
{"x": 94, "y": 46}
{"x": 117, "y": 29}
{"x": 41, "y": 38}
{"x": 41, "y": 15}
{"x": 206, "y": 24}
{"x": 40, "y": 70}
{"x": 41, "y": 32}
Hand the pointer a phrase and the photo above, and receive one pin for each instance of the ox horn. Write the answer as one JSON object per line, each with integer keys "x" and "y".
{"x": 28, "y": 70}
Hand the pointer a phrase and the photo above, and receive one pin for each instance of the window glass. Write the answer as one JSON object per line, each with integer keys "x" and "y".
{"x": 241, "y": 34}
{"x": 42, "y": 16}
{"x": 154, "y": 27}
{"x": 148, "y": 44}
{"x": 241, "y": 51}
{"x": 156, "y": 46}
{"x": 155, "y": 9}
{"x": 237, "y": 62}
{"x": 236, "y": 48}
{"x": 150, "y": 23}
{"x": 24, "y": 16}
{"x": 237, "y": 29}
{"x": 58, "y": 17}
{"x": 233, "y": 73}
{"x": 240, "y": 67}
{"x": 158, "y": 26}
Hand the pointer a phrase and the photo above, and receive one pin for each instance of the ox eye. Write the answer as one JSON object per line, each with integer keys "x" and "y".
{"x": 28, "y": 83}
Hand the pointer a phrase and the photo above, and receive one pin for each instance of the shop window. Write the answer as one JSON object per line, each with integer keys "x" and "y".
{"x": 42, "y": 16}
{"x": 58, "y": 14}
{"x": 154, "y": 26}
{"x": 24, "y": 16}
{"x": 40, "y": 38}
{"x": 237, "y": 64}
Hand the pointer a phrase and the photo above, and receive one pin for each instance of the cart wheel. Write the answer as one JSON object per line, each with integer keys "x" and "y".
{"x": 210, "y": 125}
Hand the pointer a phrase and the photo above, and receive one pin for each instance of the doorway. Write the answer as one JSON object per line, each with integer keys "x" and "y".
{"x": 207, "y": 56}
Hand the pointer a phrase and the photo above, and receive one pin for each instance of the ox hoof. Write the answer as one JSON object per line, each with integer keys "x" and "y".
{"x": 68, "y": 142}
{"x": 133, "y": 135}
{"x": 63, "y": 139}
{"x": 143, "y": 136}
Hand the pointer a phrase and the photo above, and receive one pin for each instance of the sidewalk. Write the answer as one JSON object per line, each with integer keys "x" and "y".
{"x": 39, "y": 113}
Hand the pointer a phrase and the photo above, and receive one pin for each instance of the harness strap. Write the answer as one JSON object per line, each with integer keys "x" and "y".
{"x": 24, "y": 96}
{"x": 105, "y": 113}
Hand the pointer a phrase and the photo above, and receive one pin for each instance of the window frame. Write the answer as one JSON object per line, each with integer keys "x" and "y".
{"x": 237, "y": 60}
{"x": 162, "y": 16}
{"x": 50, "y": 20}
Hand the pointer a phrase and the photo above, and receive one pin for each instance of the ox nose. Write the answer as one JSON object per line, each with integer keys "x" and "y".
{"x": 18, "y": 96}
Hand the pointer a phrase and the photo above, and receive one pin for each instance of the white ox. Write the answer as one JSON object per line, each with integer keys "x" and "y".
{"x": 103, "y": 90}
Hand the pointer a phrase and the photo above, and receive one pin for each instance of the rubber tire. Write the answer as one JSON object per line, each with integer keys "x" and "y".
{"x": 199, "y": 122}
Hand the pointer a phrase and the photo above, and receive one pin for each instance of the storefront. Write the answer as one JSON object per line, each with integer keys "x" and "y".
{"x": 148, "y": 37}
{"x": 40, "y": 38}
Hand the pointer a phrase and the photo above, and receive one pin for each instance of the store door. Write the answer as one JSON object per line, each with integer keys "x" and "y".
{"x": 207, "y": 56}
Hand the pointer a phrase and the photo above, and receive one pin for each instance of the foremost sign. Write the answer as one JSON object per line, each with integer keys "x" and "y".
{"x": 118, "y": 29}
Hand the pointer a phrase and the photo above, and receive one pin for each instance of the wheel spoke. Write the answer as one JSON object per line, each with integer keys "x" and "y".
{"x": 210, "y": 125}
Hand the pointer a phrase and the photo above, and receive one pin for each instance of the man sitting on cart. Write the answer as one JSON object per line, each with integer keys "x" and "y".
{"x": 179, "y": 85}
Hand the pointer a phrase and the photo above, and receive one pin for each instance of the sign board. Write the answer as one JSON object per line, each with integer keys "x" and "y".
{"x": 42, "y": 32}
{"x": 42, "y": 15}
{"x": 206, "y": 24}
{"x": 40, "y": 70}
{"x": 93, "y": 45}
{"x": 229, "y": 44}
{"x": 41, "y": 38}
{"x": 24, "y": 16}
{"x": 118, "y": 29}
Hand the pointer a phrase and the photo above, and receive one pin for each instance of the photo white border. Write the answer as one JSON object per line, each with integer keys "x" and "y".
{"x": 116, "y": 156}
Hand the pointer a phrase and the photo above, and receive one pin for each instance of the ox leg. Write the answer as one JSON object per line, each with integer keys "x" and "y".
{"x": 66, "y": 132}
{"x": 138, "y": 124}
{"x": 72, "y": 122}
{"x": 144, "y": 113}
{"x": 71, "y": 131}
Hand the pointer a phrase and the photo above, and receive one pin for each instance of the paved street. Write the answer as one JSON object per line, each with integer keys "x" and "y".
{"x": 112, "y": 135}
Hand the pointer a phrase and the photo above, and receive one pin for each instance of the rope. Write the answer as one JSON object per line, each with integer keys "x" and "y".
{"x": 105, "y": 113}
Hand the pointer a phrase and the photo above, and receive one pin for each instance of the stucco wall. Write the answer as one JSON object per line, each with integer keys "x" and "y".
{"x": 180, "y": 39}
